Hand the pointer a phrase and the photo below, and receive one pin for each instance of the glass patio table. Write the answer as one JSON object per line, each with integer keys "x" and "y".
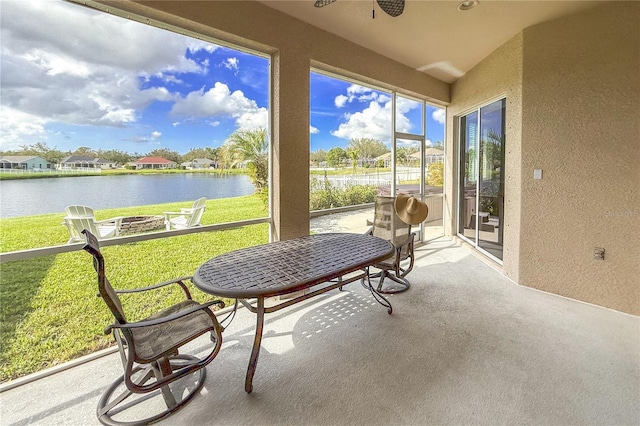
{"x": 322, "y": 261}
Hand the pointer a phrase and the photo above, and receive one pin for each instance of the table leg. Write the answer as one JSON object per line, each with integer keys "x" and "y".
{"x": 253, "y": 361}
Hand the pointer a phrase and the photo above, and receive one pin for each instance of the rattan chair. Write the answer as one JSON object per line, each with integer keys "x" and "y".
{"x": 149, "y": 350}
{"x": 387, "y": 225}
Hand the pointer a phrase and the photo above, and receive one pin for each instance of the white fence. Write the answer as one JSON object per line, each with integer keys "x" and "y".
{"x": 82, "y": 170}
{"x": 375, "y": 179}
{"x": 384, "y": 179}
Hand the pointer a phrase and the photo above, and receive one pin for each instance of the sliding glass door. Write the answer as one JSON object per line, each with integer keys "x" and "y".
{"x": 481, "y": 179}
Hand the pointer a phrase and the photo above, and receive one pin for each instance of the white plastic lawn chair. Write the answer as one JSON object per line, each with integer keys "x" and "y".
{"x": 82, "y": 217}
{"x": 186, "y": 218}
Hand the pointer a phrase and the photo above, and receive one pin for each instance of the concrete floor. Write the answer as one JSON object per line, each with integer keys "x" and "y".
{"x": 463, "y": 346}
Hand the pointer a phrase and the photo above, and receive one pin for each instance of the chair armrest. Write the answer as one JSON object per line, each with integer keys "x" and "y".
{"x": 406, "y": 241}
{"x": 168, "y": 215}
{"x": 117, "y": 220}
{"x": 179, "y": 281}
{"x": 168, "y": 318}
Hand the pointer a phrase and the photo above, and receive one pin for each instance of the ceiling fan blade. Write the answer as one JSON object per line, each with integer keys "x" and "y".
{"x": 321, "y": 3}
{"x": 391, "y": 7}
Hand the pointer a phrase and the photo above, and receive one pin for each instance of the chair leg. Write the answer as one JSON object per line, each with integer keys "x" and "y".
{"x": 120, "y": 410}
{"x": 404, "y": 283}
{"x": 390, "y": 289}
{"x": 164, "y": 369}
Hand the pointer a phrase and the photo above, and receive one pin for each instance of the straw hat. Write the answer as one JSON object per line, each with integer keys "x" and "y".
{"x": 410, "y": 210}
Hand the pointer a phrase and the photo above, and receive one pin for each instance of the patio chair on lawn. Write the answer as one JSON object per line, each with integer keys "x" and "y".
{"x": 82, "y": 217}
{"x": 389, "y": 226}
{"x": 186, "y": 218}
{"x": 149, "y": 351}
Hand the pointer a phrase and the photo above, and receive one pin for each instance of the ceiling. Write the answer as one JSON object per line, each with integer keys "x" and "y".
{"x": 431, "y": 36}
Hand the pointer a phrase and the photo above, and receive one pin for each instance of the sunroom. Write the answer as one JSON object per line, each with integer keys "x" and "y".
{"x": 540, "y": 160}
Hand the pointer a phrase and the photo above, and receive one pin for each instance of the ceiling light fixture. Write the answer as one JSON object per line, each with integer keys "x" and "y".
{"x": 468, "y": 4}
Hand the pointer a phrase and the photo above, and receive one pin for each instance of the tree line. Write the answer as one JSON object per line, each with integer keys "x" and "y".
{"x": 116, "y": 156}
{"x": 243, "y": 148}
{"x": 365, "y": 150}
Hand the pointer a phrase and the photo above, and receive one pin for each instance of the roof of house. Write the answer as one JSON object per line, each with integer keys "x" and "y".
{"x": 18, "y": 158}
{"x": 153, "y": 160}
{"x": 83, "y": 159}
{"x": 202, "y": 160}
{"x": 385, "y": 156}
{"x": 428, "y": 152}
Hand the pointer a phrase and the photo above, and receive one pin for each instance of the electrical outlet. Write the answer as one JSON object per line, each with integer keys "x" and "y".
{"x": 598, "y": 253}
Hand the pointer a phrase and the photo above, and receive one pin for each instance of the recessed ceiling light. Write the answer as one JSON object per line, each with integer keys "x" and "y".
{"x": 468, "y": 4}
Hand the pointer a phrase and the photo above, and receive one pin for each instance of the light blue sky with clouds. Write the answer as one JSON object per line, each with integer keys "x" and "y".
{"x": 72, "y": 77}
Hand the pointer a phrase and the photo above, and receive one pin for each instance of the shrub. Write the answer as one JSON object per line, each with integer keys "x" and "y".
{"x": 435, "y": 176}
{"x": 323, "y": 195}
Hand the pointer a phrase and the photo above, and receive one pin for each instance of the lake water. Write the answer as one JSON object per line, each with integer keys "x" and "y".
{"x": 27, "y": 197}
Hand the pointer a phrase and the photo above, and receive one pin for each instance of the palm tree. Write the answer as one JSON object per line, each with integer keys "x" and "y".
{"x": 252, "y": 148}
{"x": 224, "y": 158}
{"x": 353, "y": 154}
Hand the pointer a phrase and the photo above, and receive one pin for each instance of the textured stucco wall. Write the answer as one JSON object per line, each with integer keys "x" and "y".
{"x": 497, "y": 76}
{"x": 581, "y": 126}
{"x": 573, "y": 110}
{"x": 296, "y": 46}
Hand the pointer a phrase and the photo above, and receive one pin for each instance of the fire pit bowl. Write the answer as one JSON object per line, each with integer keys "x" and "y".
{"x": 138, "y": 224}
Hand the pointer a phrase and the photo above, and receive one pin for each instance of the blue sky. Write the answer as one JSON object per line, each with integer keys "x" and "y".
{"x": 103, "y": 91}
{"x": 341, "y": 110}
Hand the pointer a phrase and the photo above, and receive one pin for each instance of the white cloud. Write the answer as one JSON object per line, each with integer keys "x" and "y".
{"x": 217, "y": 101}
{"x": 172, "y": 79}
{"x": 359, "y": 93}
{"x": 356, "y": 89}
{"x": 439, "y": 115}
{"x": 152, "y": 137}
{"x": 404, "y": 105}
{"x": 232, "y": 64}
{"x": 17, "y": 125}
{"x": 384, "y": 98}
{"x": 313, "y": 130}
{"x": 341, "y": 100}
{"x": 375, "y": 120}
{"x": 372, "y": 122}
{"x": 82, "y": 80}
{"x": 195, "y": 45}
{"x": 252, "y": 120}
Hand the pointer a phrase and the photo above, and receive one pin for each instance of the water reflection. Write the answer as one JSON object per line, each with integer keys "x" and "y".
{"x": 26, "y": 197}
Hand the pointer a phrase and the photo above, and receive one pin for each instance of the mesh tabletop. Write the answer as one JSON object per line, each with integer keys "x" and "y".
{"x": 287, "y": 266}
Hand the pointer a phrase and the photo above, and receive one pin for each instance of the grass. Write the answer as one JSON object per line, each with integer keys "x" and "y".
{"x": 49, "y": 312}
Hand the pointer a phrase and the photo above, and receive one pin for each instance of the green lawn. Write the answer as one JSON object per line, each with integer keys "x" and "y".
{"x": 49, "y": 312}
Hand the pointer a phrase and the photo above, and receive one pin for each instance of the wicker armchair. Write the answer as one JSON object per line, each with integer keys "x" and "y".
{"x": 149, "y": 351}
{"x": 387, "y": 225}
